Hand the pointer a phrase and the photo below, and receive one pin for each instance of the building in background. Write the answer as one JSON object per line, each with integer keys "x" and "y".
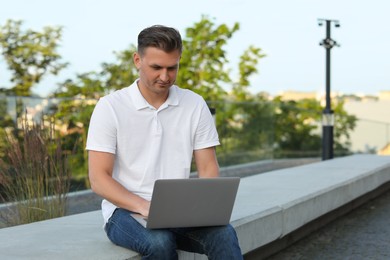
{"x": 372, "y": 131}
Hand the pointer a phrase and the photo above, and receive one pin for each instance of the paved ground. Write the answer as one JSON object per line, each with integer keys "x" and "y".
{"x": 364, "y": 233}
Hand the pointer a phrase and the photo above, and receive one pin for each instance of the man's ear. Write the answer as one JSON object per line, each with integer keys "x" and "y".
{"x": 137, "y": 60}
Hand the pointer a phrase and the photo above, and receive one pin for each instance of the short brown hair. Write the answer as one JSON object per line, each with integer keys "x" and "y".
{"x": 165, "y": 38}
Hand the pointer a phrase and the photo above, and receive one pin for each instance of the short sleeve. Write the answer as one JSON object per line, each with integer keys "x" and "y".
{"x": 102, "y": 130}
{"x": 206, "y": 133}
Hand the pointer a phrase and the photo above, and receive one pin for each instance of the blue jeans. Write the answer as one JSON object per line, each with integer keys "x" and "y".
{"x": 216, "y": 242}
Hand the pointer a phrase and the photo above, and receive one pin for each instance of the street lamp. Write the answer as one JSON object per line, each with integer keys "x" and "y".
{"x": 327, "y": 114}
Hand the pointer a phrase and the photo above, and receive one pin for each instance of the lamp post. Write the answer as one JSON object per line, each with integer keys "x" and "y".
{"x": 327, "y": 114}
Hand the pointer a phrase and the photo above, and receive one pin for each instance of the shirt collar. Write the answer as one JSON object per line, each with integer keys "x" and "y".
{"x": 140, "y": 102}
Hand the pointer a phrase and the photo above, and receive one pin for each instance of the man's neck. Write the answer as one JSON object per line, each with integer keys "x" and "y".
{"x": 154, "y": 99}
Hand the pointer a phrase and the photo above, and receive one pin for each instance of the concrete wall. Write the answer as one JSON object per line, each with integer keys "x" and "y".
{"x": 86, "y": 200}
{"x": 268, "y": 207}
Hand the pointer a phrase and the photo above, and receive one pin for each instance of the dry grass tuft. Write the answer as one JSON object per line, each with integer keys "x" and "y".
{"x": 35, "y": 178}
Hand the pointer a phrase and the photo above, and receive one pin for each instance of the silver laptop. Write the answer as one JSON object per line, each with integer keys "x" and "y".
{"x": 194, "y": 202}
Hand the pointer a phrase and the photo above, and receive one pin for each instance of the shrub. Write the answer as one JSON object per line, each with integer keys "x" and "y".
{"x": 34, "y": 175}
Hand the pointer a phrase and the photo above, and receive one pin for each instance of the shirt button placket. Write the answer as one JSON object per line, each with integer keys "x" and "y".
{"x": 158, "y": 128}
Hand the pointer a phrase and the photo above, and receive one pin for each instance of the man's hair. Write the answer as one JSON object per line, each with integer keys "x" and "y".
{"x": 164, "y": 38}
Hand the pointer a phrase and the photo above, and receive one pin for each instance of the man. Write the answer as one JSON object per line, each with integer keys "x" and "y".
{"x": 150, "y": 131}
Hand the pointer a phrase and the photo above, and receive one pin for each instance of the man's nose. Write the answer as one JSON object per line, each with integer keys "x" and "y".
{"x": 164, "y": 76}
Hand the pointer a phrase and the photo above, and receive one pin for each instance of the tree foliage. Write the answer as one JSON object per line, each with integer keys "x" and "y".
{"x": 203, "y": 62}
{"x": 298, "y": 127}
{"x": 247, "y": 67}
{"x": 78, "y": 98}
{"x": 111, "y": 76}
{"x": 30, "y": 55}
{"x": 344, "y": 124}
{"x": 251, "y": 126}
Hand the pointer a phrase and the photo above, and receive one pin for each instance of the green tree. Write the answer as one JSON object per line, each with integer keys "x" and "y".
{"x": 247, "y": 117}
{"x": 344, "y": 124}
{"x": 247, "y": 67}
{"x": 247, "y": 132}
{"x": 78, "y": 98}
{"x": 203, "y": 69}
{"x": 296, "y": 127}
{"x": 203, "y": 62}
{"x": 112, "y": 76}
{"x": 298, "y": 131}
{"x": 121, "y": 73}
{"x": 30, "y": 55}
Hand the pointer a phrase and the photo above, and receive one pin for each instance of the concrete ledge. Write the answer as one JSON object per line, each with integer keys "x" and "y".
{"x": 302, "y": 194}
{"x": 269, "y": 206}
{"x": 86, "y": 200}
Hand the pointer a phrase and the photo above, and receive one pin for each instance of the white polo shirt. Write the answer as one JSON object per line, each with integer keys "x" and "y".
{"x": 150, "y": 144}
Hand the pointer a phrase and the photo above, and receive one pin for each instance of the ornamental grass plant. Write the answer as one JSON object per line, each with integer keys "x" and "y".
{"x": 34, "y": 174}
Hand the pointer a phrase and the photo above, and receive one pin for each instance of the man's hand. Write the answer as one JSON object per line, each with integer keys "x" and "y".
{"x": 144, "y": 209}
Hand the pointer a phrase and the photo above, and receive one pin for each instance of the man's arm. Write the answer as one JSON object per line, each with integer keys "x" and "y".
{"x": 206, "y": 163}
{"x": 101, "y": 166}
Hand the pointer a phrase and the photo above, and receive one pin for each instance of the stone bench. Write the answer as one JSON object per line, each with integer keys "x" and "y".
{"x": 268, "y": 207}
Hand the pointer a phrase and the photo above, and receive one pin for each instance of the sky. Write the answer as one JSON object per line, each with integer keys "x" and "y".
{"x": 286, "y": 31}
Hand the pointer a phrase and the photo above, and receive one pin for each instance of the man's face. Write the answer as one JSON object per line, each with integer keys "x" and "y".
{"x": 157, "y": 70}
